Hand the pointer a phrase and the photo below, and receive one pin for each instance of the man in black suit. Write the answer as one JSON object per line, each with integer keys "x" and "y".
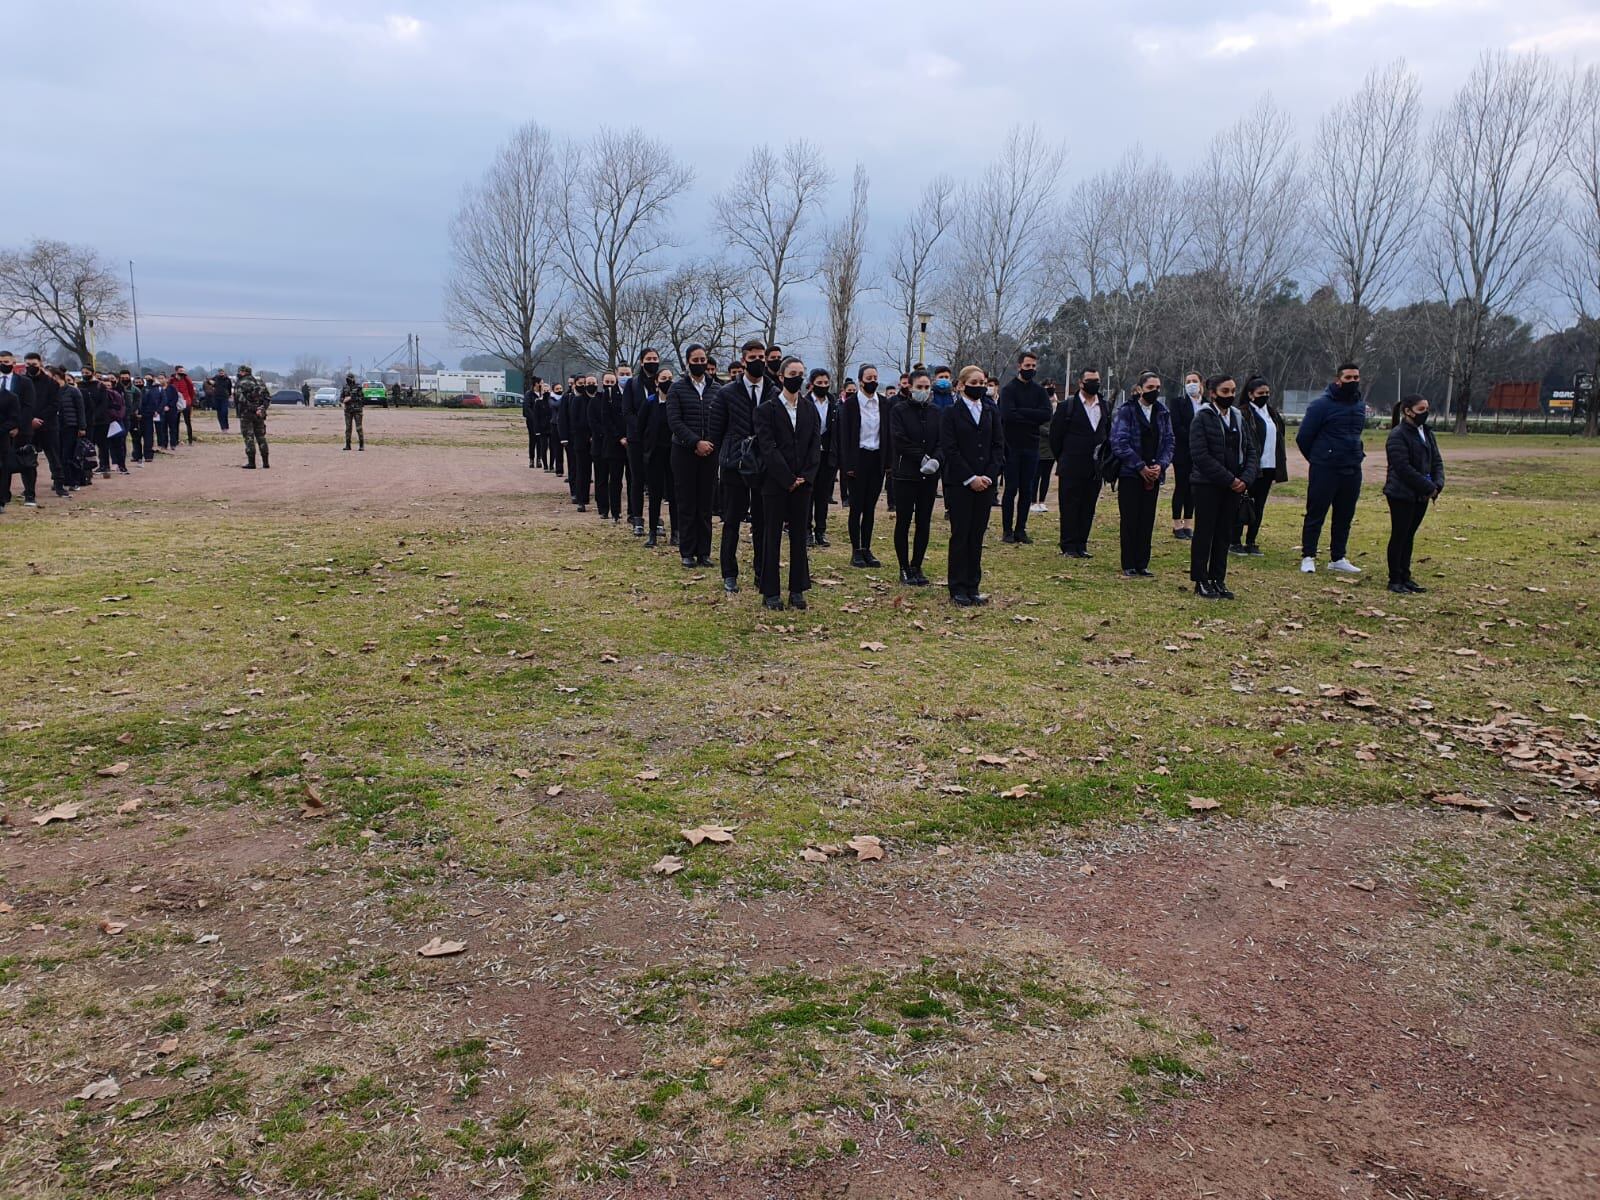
{"x": 17, "y": 413}
{"x": 732, "y": 421}
{"x": 610, "y": 454}
{"x": 863, "y": 437}
{"x": 1080, "y": 425}
{"x": 649, "y": 432}
{"x": 820, "y": 385}
{"x": 45, "y": 426}
{"x": 1024, "y": 408}
{"x": 638, "y": 391}
{"x": 789, "y": 433}
{"x": 580, "y": 447}
{"x": 694, "y": 463}
{"x": 972, "y": 449}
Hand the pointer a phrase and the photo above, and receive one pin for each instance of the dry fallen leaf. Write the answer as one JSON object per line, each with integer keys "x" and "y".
{"x": 647, "y": 775}
{"x": 709, "y": 832}
{"x": 112, "y": 927}
{"x": 522, "y": 773}
{"x": 874, "y": 647}
{"x": 124, "y": 739}
{"x": 553, "y": 790}
{"x": 667, "y": 864}
{"x": 1037, "y": 1075}
{"x": 783, "y": 754}
{"x": 1203, "y": 804}
{"x": 1461, "y": 800}
{"x": 5, "y": 908}
{"x": 812, "y": 855}
{"x": 113, "y": 769}
{"x": 101, "y": 1089}
{"x": 1017, "y": 793}
{"x": 1281, "y": 882}
{"x": 128, "y": 806}
{"x": 993, "y": 760}
{"x": 1086, "y": 869}
{"x": 867, "y": 847}
{"x": 61, "y": 812}
{"x": 167, "y": 1045}
{"x": 1363, "y": 885}
{"x": 439, "y": 948}
{"x": 205, "y": 939}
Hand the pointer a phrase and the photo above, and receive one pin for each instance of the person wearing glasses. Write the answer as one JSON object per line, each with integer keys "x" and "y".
{"x": 1225, "y": 459}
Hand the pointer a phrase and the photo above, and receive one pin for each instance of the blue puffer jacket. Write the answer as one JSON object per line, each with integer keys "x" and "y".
{"x": 1330, "y": 432}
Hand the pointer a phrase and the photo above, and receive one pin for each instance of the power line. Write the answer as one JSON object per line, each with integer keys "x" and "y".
{"x": 303, "y": 320}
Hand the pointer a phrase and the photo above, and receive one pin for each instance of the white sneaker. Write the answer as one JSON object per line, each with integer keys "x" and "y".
{"x": 1308, "y": 566}
{"x": 1345, "y": 567}
{"x": 1037, "y": 508}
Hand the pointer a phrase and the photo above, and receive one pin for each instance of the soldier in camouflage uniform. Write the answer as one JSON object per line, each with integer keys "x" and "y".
{"x": 354, "y": 401}
{"x": 252, "y": 399}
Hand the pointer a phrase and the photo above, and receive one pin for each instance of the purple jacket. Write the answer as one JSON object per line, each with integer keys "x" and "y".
{"x": 1127, "y": 436}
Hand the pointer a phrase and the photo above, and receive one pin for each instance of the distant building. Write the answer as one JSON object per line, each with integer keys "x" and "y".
{"x": 460, "y": 383}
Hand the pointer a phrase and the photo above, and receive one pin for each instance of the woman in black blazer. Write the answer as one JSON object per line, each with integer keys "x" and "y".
{"x": 789, "y": 432}
{"x": 1268, "y": 422}
{"x": 914, "y": 434}
{"x": 1416, "y": 476}
{"x": 1225, "y": 459}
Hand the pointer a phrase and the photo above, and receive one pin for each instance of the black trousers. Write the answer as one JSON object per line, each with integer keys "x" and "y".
{"x": 102, "y": 448}
{"x": 636, "y": 473}
{"x": 46, "y": 441}
{"x": 1047, "y": 468}
{"x": 916, "y": 505}
{"x": 1136, "y": 504}
{"x": 1252, "y": 506}
{"x": 608, "y": 484}
{"x": 19, "y": 460}
{"x": 658, "y": 487}
{"x": 558, "y": 455}
{"x": 1021, "y": 466}
{"x": 118, "y": 446}
{"x": 822, "y": 496}
{"x": 147, "y": 436}
{"x": 533, "y": 445}
{"x": 694, "y": 479}
{"x": 969, "y": 520}
{"x": 1215, "y": 509}
{"x": 865, "y": 488}
{"x": 740, "y": 503}
{"x": 1079, "y": 495}
{"x": 579, "y": 470}
{"x": 1182, "y": 493}
{"x": 778, "y": 509}
{"x": 1337, "y": 488}
{"x": 188, "y": 425}
{"x": 1405, "y": 518}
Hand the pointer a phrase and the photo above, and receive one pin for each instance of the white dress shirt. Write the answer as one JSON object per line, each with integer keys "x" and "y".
{"x": 871, "y": 420}
{"x": 1091, "y": 409}
{"x": 1269, "y": 443}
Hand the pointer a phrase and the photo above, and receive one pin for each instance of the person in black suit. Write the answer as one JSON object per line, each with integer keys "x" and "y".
{"x": 19, "y": 401}
{"x": 610, "y": 428}
{"x": 580, "y": 446}
{"x": 820, "y": 385}
{"x": 1079, "y": 426}
{"x": 1415, "y": 477}
{"x": 639, "y": 390}
{"x": 650, "y": 433}
{"x": 694, "y": 463}
{"x": 732, "y": 421}
{"x": 1183, "y": 408}
{"x": 45, "y": 431}
{"x": 1267, "y": 423}
{"x": 1225, "y": 458}
{"x": 789, "y": 433}
{"x": 863, "y": 431}
{"x": 972, "y": 451}
{"x": 530, "y": 418}
{"x": 1024, "y": 410}
{"x": 914, "y": 433}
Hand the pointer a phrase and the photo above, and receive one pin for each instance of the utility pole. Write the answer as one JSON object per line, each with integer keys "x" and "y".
{"x": 133, "y": 292}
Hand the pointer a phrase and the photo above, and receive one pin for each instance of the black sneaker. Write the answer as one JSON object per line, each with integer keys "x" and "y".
{"x": 796, "y": 600}
{"x": 688, "y": 563}
{"x": 1205, "y": 591}
{"x": 1221, "y": 590}
{"x": 730, "y": 584}
{"x": 871, "y": 562}
{"x": 918, "y": 579}
{"x": 907, "y": 578}
{"x": 1414, "y": 587}
{"x": 702, "y": 561}
{"x": 979, "y": 598}
{"x": 961, "y": 600}
{"x": 823, "y": 541}
{"x": 857, "y": 559}
{"x": 1238, "y": 550}
{"x": 29, "y": 502}
{"x": 1253, "y": 550}
{"x": 1023, "y": 539}
{"x": 772, "y": 602}
{"x": 1006, "y": 537}
{"x": 1399, "y": 589}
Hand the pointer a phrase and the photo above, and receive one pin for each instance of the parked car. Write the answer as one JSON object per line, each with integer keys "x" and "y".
{"x": 288, "y": 396}
{"x": 326, "y": 397}
{"x": 376, "y": 394}
{"x": 471, "y": 401}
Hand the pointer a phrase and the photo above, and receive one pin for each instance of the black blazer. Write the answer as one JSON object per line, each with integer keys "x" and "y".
{"x": 1416, "y": 471}
{"x": 1280, "y": 468}
{"x": 689, "y": 411}
{"x": 830, "y": 431}
{"x": 1182, "y": 412}
{"x": 915, "y": 433}
{"x": 648, "y": 429}
{"x": 848, "y": 444}
{"x": 23, "y": 406}
{"x": 607, "y": 425}
{"x": 788, "y": 450}
{"x": 733, "y": 417}
{"x": 968, "y": 448}
{"x": 1208, "y": 450}
{"x": 1073, "y": 440}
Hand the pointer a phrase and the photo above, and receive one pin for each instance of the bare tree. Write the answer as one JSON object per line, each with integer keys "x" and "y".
{"x": 615, "y": 197}
{"x": 844, "y": 277}
{"x": 915, "y": 259}
{"x": 641, "y": 320}
{"x": 698, "y": 305}
{"x": 60, "y": 293}
{"x": 1123, "y": 235}
{"x": 1370, "y": 197}
{"x": 504, "y": 288}
{"x": 1579, "y": 270}
{"x": 1002, "y": 238}
{"x": 1248, "y": 231}
{"x": 309, "y": 366}
{"x": 769, "y": 215}
{"x": 1497, "y": 152}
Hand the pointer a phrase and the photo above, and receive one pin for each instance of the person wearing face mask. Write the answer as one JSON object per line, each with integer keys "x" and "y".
{"x": 1142, "y": 440}
{"x": 1183, "y": 410}
{"x": 944, "y": 388}
{"x": 1077, "y": 430}
{"x": 44, "y": 427}
{"x": 222, "y": 389}
{"x": 650, "y": 433}
{"x": 694, "y": 463}
{"x": 556, "y": 462}
{"x": 636, "y": 392}
{"x": 17, "y": 455}
{"x": 1024, "y": 409}
{"x": 972, "y": 449}
{"x": 185, "y": 387}
{"x": 1329, "y": 438}
{"x": 1047, "y": 456}
{"x": 1226, "y": 458}
{"x": 580, "y": 440}
{"x": 1267, "y": 424}
{"x": 94, "y": 408}
{"x": 1415, "y": 478}
{"x": 789, "y": 432}
{"x": 914, "y": 433}
{"x": 733, "y": 414}
{"x": 117, "y": 428}
{"x": 819, "y": 384}
{"x": 530, "y": 418}
{"x": 863, "y": 431}
{"x": 150, "y": 409}
{"x": 610, "y": 432}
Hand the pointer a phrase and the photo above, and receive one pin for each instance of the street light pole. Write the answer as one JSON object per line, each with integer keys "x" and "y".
{"x": 922, "y": 345}
{"x": 133, "y": 292}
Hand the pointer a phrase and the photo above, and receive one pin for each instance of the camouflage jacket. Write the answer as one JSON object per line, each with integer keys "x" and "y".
{"x": 352, "y": 397}
{"x": 252, "y": 398}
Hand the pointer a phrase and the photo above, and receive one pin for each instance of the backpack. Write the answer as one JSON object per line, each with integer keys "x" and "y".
{"x": 747, "y": 456}
{"x": 1107, "y": 463}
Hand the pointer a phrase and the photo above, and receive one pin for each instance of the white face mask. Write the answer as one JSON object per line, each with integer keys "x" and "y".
{"x": 1192, "y": 390}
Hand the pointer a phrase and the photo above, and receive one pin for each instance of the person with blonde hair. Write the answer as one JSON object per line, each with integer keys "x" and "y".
{"x": 972, "y": 451}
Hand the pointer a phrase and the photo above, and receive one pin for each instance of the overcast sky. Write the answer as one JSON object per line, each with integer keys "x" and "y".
{"x": 277, "y": 159}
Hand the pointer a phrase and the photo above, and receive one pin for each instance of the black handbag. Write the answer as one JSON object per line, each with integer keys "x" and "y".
{"x": 748, "y": 456}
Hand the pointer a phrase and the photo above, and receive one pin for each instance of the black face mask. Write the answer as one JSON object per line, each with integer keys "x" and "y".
{"x": 1350, "y": 390}
{"x": 1151, "y": 395}
{"x": 1027, "y": 375}
{"x": 1419, "y": 419}
{"x": 649, "y": 370}
{"x": 975, "y": 392}
{"x": 1260, "y": 401}
{"x": 819, "y": 390}
{"x": 1223, "y": 402}
{"x": 33, "y": 368}
{"x": 1091, "y": 387}
{"x": 792, "y": 384}
{"x": 755, "y": 368}
{"x": 869, "y": 386}
{"x": 697, "y": 369}
{"x": 663, "y": 385}
{"x": 589, "y": 389}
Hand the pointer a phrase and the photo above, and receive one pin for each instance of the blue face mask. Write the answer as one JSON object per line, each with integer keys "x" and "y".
{"x": 941, "y": 385}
